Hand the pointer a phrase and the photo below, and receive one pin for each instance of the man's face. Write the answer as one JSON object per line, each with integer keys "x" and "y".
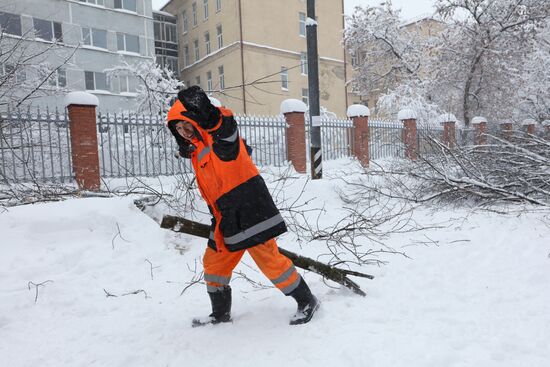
{"x": 185, "y": 129}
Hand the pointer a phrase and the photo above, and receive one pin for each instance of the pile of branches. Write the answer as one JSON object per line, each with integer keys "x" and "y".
{"x": 506, "y": 170}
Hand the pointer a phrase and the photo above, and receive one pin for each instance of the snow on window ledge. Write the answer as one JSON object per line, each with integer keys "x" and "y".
{"x": 128, "y": 53}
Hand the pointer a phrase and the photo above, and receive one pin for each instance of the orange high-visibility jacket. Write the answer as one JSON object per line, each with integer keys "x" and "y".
{"x": 243, "y": 209}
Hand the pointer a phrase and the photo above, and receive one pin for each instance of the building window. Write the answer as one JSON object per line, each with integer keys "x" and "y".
{"x": 209, "y": 80}
{"x": 127, "y": 42}
{"x": 218, "y": 5}
{"x": 96, "y": 81}
{"x": 205, "y": 8}
{"x": 198, "y": 80}
{"x": 170, "y": 34}
{"x": 196, "y": 47}
{"x": 219, "y": 36}
{"x": 302, "y": 24}
{"x": 9, "y": 71}
{"x": 207, "y": 42}
{"x": 95, "y": 2}
{"x": 171, "y": 63}
{"x": 47, "y": 30}
{"x": 124, "y": 83}
{"x": 284, "y": 78}
{"x": 10, "y": 23}
{"x": 186, "y": 59}
{"x": 185, "y": 22}
{"x": 354, "y": 60}
{"x": 126, "y": 4}
{"x": 303, "y": 62}
{"x": 305, "y": 96}
{"x": 222, "y": 77}
{"x": 94, "y": 37}
{"x": 58, "y": 79}
{"x": 194, "y": 10}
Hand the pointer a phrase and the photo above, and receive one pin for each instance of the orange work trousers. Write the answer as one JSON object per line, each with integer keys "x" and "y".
{"x": 218, "y": 267}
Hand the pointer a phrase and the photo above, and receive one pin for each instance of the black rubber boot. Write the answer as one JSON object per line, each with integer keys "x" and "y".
{"x": 221, "y": 308}
{"x": 307, "y": 304}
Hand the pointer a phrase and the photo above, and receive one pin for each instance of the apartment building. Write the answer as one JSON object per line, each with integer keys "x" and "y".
{"x": 166, "y": 40}
{"x": 251, "y": 54}
{"x": 91, "y": 36}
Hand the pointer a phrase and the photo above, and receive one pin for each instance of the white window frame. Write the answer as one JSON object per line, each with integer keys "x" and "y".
{"x": 122, "y": 3}
{"x": 219, "y": 35}
{"x": 218, "y": 5}
{"x": 20, "y": 75}
{"x": 17, "y": 18}
{"x": 186, "y": 55}
{"x": 207, "y": 43}
{"x": 194, "y": 11}
{"x": 125, "y": 43}
{"x": 284, "y": 78}
{"x": 209, "y": 85}
{"x": 52, "y": 29}
{"x": 205, "y": 9}
{"x": 196, "y": 49}
{"x": 185, "y": 22}
{"x": 302, "y": 18}
{"x": 305, "y": 96}
{"x": 91, "y": 30}
{"x": 54, "y": 80}
{"x": 303, "y": 62}
{"x": 95, "y": 73}
{"x": 222, "y": 77}
{"x": 94, "y": 2}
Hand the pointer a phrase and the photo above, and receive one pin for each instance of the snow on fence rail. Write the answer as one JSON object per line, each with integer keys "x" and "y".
{"x": 35, "y": 147}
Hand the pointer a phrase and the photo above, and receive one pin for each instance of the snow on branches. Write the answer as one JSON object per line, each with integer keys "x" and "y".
{"x": 156, "y": 86}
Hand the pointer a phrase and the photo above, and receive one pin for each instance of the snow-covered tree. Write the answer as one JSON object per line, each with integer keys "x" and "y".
{"x": 387, "y": 53}
{"x": 156, "y": 86}
{"x": 483, "y": 58}
{"x": 481, "y": 55}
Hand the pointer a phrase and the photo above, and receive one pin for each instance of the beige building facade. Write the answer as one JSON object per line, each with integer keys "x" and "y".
{"x": 251, "y": 54}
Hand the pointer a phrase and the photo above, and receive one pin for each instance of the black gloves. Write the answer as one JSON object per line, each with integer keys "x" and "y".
{"x": 199, "y": 108}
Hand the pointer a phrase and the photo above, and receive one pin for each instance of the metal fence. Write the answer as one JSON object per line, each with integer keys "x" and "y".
{"x": 385, "y": 139}
{"x": 136, "y": 145}
{"x": 267, "y": 137}
{"x": 35, "y": 147}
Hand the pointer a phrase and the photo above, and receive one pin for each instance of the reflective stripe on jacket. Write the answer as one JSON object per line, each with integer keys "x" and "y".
{"x": 243, "y": 209}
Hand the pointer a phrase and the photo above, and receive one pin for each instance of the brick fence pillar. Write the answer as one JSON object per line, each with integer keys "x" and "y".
{"x": 294, "y": 112}
{"x": 359, "y": 115}
{"x": 85, "y": 156}
{"x": 448, "y": 120}
{"x": 506, "y": 130}
{"x": 410, "y": 139}
{"x": 546, "y": 125}
{"x": 529, "y": 126}
{"x": 480, "y": 128}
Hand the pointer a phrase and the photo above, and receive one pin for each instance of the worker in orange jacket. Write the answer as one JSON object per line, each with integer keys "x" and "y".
{"x": 245, "y": 217}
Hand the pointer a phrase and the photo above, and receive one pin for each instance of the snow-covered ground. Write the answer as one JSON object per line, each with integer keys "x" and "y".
{"x": 474, "y": 293}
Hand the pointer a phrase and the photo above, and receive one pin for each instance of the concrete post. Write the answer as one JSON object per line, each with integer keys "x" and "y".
{"x": 359, "y": 115}
{"x": 408, "y": 117}
{"x": 294, "y": 111}
{"x": 480, "y": 127}
{"x": 83, "y": 129}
